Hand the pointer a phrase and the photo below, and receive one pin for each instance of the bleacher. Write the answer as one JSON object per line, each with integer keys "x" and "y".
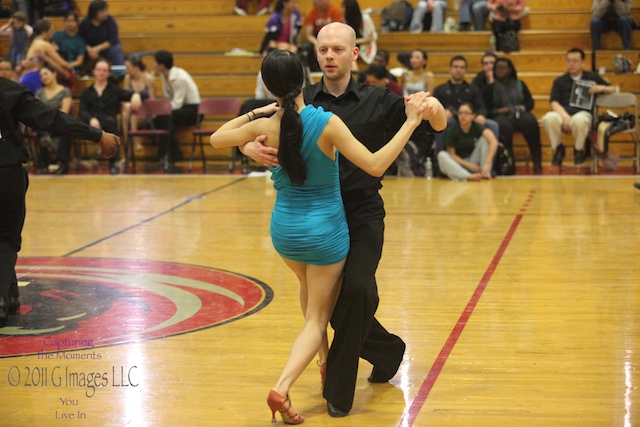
{"x": 202, "y": 33}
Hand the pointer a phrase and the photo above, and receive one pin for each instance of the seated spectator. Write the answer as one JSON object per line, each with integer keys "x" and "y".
{"x": 382, "y": 58}
{"x": 571, "y": 100}
{"x": 179, "y": 87}
{"x": 354, "y": 18}
{"x": 101, "y": 103}
{"x": 70, "y": 45}
{"x": 100, "y": 33}
{"x": 609, "y": 15}
{"x": 470, "y": 148}
{"x": 506, "y": 17}
{"x": 283, "y": 27}
{"x": 320, "y": 15}
{"x": 56, "y": 96}
{"x": 456, "y": 91}
{"x": 6, "y": 70}
{"x": 397, "y": 16}
{"x": 242, "y": 7}
{"x": 436, "y": 8}
{"x": 19, "y": 32}
{"x": 479, "y": 12}
{"x": 485, "y": 77}
{"x": 139, "y": 81}
{"x": 377, "y": 76}
{"x": 42, "y": 52}
{"x": 476, "y": 9}
{"x": 510, "y": 103}
{"x": 418, "y": 79}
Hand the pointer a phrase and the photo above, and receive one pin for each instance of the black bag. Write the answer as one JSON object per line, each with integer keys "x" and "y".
{"x": 507, "y": 41}
{"x": 409, "y": 162}
{"x": 504, "y": 163}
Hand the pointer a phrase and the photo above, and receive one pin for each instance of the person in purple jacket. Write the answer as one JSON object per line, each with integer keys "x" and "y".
{"x": 100, "y": 32}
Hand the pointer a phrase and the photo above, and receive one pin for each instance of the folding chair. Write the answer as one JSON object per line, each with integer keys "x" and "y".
{"x": 622, "y": 102}
{"x": 223, "y": 108}
{"x": 151, "y": 108}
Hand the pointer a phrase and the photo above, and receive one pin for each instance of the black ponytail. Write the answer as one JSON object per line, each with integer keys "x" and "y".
{"x": 283, "y": 76}
{"x": 289, "y": 154}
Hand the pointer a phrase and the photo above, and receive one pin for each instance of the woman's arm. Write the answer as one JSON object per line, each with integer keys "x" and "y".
{"x": 151, "y": 86}
{"x": 376, "y": 163}
{"x": 66, "y": 104}
{"x": 493, "y": 147}
{"x": 241, "y": 129}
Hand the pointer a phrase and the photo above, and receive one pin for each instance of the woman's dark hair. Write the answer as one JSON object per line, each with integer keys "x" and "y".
{"x": 96, "y": 6}
{"x": 377, "y": 70}
{"x": 468, "y": 105}
{"x": 283, "y": 75}
{"x": 136, "y": 62}
{"x": 514, "y": 74}
{"x": 280, "y": 5}
{"x": 40, "y": 27}
{"x": 71, "y": 13}
{"x": 353, "y": 15}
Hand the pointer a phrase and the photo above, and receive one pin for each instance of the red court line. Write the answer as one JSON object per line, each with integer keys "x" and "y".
{"x": 416, "y": 405}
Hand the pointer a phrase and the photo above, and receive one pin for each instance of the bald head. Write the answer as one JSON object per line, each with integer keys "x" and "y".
{"x": 338, "y": 31}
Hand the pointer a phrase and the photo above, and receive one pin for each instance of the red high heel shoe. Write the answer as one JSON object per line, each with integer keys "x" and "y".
{"x": 282, "y": 404}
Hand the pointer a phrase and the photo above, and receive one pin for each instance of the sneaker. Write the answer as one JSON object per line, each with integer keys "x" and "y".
{"x": 239, "y": 11}
{"x": 558, "y": 156}
{"x": 579, "y": 157}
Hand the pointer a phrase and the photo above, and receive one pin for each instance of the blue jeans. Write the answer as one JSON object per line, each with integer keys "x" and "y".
{"x": 622, "y": 25}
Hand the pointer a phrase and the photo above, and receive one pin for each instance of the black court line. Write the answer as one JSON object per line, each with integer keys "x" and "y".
{"x": 146, "y": 221}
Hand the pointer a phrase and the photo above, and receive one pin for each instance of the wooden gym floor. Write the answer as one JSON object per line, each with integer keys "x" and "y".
{"x": 159, "y": 301}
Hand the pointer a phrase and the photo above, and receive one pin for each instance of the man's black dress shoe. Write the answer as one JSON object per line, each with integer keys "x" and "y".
{"x": 336, "y": 412}
{"x": 637, "y": 185}
{"x": 13, "y": 305}
{"x": 558, "y": 156}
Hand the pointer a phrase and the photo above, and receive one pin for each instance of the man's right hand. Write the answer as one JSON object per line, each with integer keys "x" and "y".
{"x": 109, "y": 143}
{"x": 259, "y": 152}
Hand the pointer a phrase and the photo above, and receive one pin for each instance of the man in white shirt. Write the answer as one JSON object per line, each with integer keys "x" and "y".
{"x": 179, "y": 87}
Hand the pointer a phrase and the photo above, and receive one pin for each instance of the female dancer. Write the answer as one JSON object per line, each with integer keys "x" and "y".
{"x": 308, "y": 224}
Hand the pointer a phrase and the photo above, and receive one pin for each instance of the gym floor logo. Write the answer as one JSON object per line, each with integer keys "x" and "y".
{"x": 103, "y": 302}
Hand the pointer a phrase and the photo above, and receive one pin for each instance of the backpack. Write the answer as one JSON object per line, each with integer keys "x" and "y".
{"x": 409, "y": 162}
{"x": 397, "y": 16}
{"x": 504, "y": 163}
{"x": 621, "y": 64}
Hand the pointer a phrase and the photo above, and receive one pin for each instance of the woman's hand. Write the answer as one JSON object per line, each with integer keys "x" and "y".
{"x": 266, "y": 111}
{"x": 415, "y": 107}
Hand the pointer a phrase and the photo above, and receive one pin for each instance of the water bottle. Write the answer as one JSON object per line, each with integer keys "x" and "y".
{"x": 429, "y": 169}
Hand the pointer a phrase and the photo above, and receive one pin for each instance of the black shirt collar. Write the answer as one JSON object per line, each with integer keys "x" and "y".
{"x": 352, "y": 87}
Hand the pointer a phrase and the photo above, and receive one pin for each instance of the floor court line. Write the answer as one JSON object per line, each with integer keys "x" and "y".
{"x": 156, "y": 216}
{"x": 418, "y": 401}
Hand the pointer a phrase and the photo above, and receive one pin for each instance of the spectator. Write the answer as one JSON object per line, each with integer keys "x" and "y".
{"x": 571, "y": 101}
{"x": 418, "y": 79}
{"x": 364, "y": 28}
{"x": 241, "y": 8}
{"x": 382, "y": 57}
{"x": 179, "y": 87}
{"x": 69, "y": 43}
{"x": 139, "y": 81}
{"x": 283, "y": 27}
{"x": 6, "y": 70}
{"x": 58, "y": 97}
{"x": 436, "y": 8}
{"x": 479, "y": 11}
{"x": 470, "y": 148}
{"x": 456, "y": 91}
{"x": 506, "y": 17}
{"x": 485, "y": 77}
{"x": 320, "y": 15}
{"x": 101, "y": 102}
{"x": 100, "y": 33}
{"x": 377, "y": 76}
{"x": 19, "y": 31}
{"x": 510, "y": 103}
{"x": 40, "y": 52}
{"x": 611, "y": 15}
